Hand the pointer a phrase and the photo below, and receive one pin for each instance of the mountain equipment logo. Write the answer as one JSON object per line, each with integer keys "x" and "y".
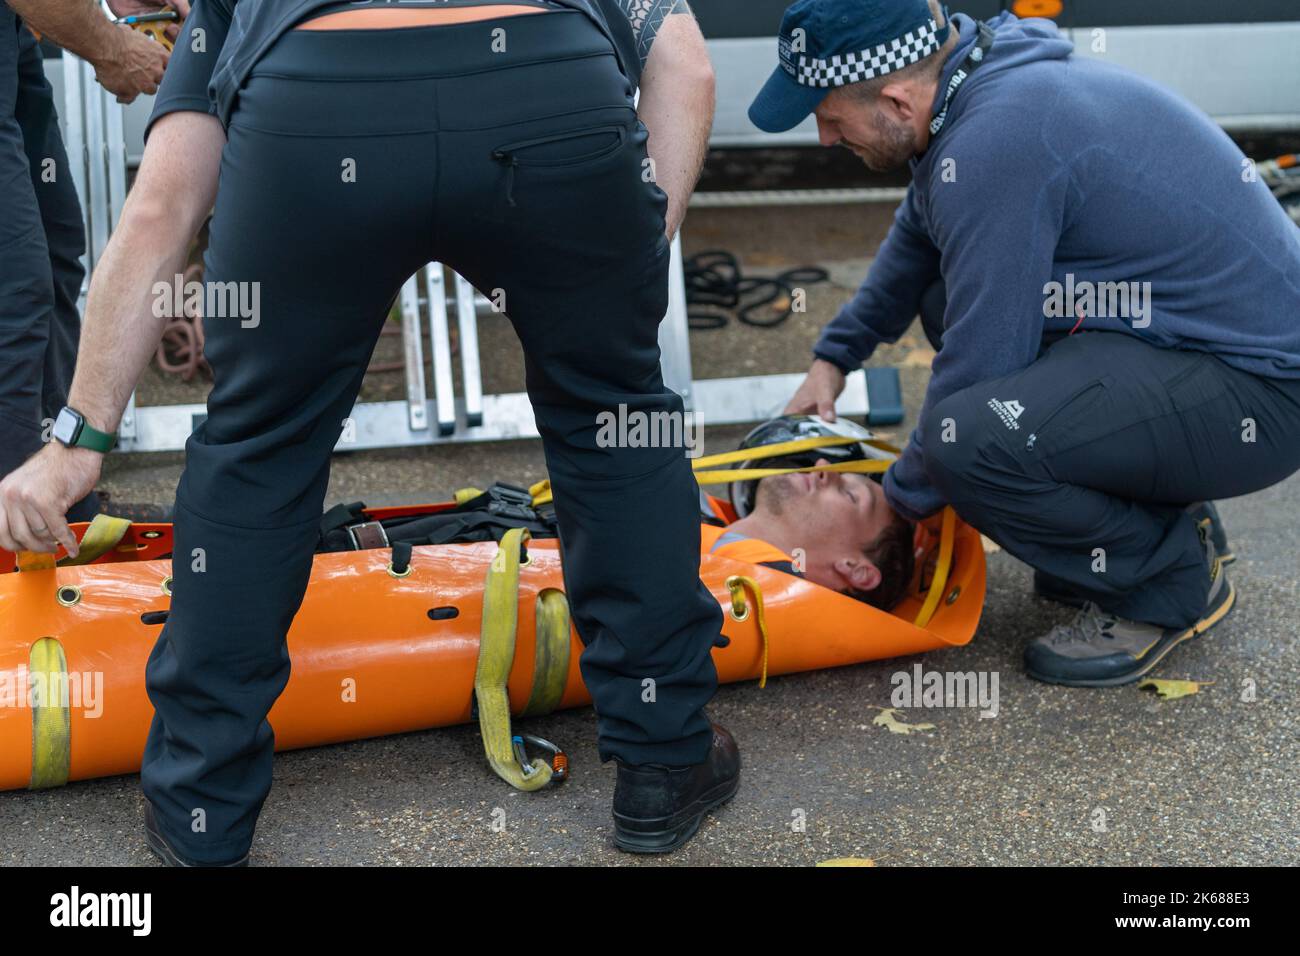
{"x": 1008, "y": 412}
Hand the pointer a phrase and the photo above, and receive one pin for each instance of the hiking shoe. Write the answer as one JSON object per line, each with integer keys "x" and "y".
{"x": 159, "y": 844}
{"x": 1097, "y": 649}
{"x": 657, "y": 808}
{"x": 1052, "y": 588}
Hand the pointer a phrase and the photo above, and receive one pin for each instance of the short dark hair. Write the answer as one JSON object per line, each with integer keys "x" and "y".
{"x": 894, "y": 553}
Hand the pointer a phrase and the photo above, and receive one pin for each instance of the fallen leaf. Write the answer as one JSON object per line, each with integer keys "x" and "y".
{"x": 886, "y": 718}
{"x": 848, "y": 861}
{"x": 1173, "y": 689}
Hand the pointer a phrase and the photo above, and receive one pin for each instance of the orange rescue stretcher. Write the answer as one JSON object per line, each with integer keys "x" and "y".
{"x": 379, "y": 651}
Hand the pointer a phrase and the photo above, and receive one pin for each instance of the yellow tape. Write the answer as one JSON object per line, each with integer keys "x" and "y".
{"x": 47, "y": 670}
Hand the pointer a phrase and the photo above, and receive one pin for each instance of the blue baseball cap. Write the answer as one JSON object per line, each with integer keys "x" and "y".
{"x": 828, "y": 43}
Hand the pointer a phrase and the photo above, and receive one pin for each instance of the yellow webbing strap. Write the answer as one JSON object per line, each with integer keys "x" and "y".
{"x": 35, "y": 561}
{"x": 723, "y": 476}
{"x": 541, "y": 491}
{"x": 785, "y": 448}
{"x": 737, "y": 584}
{"x": 496, "y": 652}
{"x": 104, "y": 534}
{"x": 551, "y": 656}
{"x": 466, "y": 494}
{"x": 47, "y": 676}
{"x": 947, "y": 535}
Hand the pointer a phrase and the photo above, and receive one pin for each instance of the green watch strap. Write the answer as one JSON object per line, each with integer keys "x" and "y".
{"x": 95, "y": 440}
{"x": 90, "y": 437}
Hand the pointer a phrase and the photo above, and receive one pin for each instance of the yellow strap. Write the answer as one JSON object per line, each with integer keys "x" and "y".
{"x": 541, "y": 491}
{"x": 947, "y": 535}
{"x": 35, "y": 561}
{"x": 466, "y": 494}
{"x": 47, "y": 676}
{"x": 496, "y": 652}
{"x": 104, "y": 534}
{"x": 785, "y": 448}
{"x": 737, "y": 584}
{"x": 725, "y": 476}
{"x": 551, "y": 657}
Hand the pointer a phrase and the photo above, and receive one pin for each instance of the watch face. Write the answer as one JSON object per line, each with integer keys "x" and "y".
{"x": 65, "y": 426}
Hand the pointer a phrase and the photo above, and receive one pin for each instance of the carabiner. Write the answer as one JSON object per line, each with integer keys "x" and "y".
{"x": 557, "y": 759}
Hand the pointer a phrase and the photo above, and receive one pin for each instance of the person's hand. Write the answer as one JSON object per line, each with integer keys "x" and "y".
{"x": 35, "y": 498}
{"x": 817, "y": 394}
{"x": 126, "y": 8}
{"x": 133, "y": 65}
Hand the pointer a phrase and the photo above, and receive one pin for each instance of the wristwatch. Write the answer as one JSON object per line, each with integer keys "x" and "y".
{"x": 70, "y": 429}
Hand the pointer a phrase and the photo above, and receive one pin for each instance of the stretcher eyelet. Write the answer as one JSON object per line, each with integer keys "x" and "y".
{"x": 69, "y": 595}
{"x": 398, "y": 574}
{"x": 166, "y": 585}
{"x": 742, "y": 616}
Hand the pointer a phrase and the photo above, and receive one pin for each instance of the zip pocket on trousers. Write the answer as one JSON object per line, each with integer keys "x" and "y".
{"x": 1042, "y": 427}
{"x": 515, "y": 155}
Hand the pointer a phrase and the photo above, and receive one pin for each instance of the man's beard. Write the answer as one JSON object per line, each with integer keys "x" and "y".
{"x": 777, "y": 490}
{"x": 894, "y": 147}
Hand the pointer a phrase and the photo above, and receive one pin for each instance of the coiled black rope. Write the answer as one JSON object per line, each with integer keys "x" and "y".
{"x": 714, "y": 281}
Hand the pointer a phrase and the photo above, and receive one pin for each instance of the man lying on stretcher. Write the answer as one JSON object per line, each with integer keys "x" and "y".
{"x": 834, "y": 529}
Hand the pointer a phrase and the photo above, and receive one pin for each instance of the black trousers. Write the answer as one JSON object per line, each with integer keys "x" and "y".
{"x": 1081, "y": 464}
{"x": 354, "y": 157}
{"x": 41, "y": 241}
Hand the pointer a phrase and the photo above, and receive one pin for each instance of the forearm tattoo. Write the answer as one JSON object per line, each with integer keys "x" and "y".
{"x": 647, "y": 16}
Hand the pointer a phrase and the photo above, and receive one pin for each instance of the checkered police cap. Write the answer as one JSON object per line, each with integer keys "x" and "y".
{"x": 828, "y": 43}
{"x": 845, "y": 68}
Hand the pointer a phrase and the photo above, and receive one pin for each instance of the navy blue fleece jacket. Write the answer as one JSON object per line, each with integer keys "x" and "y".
{"x": 1067, "y": 165}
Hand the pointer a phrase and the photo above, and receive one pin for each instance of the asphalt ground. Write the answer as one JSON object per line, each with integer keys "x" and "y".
{"x": 1059, "y": 776}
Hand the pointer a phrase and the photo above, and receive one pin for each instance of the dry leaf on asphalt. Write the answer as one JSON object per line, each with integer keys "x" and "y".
{"x": 1173, "y": 689}
{"x": 848, "y": 861}
{"x": 886, "y": 718}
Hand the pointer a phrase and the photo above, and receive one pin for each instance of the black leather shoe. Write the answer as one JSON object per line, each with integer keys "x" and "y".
{"x": 657, "y": 809}
{"x": 163, "y": 850}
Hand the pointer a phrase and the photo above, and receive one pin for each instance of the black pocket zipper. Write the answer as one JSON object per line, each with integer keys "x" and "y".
{"x": 508, "y": 155}
{"x": 1033, "y": 436}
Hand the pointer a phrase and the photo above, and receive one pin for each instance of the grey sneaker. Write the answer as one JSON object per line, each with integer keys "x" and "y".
{"x": 1097, "y": 649}
{"x": 1052, "y": 588}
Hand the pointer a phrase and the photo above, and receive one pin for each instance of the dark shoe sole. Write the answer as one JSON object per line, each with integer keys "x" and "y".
{"x": 1152, "y": 657}
{"x": 673, "y": 837}
{"x": 161, "y": 849}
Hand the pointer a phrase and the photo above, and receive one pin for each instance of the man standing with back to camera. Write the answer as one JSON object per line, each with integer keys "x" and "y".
{"x": 355, "y": 142}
